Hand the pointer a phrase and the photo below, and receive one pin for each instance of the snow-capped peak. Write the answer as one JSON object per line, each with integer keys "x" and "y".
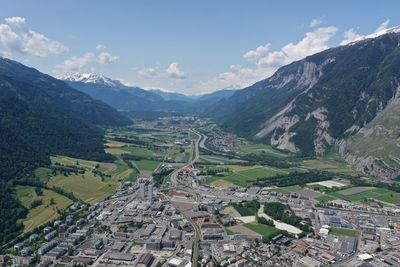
{"x": 384, "y": 31}
{"x": 90, "y": 78}
{"x": 375, "y": 34}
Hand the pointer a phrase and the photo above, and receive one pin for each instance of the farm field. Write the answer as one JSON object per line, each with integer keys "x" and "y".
{"x": 343, "y": 232}
{"x": 287, "y": 189}
{"x": 257, "y": 148}
{"x": 147, "y": 165}
{"x": 379, "y": 194}
{"x": 264, "y": 230}
{"x": 244, "y": 176}
{"x": 44, "y": 212}
{"x": 331, "y": 162}
{"x": 86, "y": 187}
{"x": 139, "y": 151}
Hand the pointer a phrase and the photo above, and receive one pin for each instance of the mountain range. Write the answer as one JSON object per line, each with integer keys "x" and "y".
{"x": 135, "y": 99}
{"x": 333, "y": 99}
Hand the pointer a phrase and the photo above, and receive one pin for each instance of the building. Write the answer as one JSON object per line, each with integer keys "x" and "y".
{"x": 145, "y": 260}
{"x": 142, "y": 190}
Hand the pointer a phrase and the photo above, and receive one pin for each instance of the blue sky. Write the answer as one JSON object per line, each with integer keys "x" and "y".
{"x": 185, "y": 46}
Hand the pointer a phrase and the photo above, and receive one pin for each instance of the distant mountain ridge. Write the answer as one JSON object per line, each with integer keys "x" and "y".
{"x": 316, "y": 103}
{"x": 129, "y": 98}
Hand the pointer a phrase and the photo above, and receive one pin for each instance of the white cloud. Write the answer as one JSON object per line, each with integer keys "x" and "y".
{"x": 267, "y": 62}
{"x": 314, "y": 42}
{"x": 351, "y": 35}
{"x": 75, "y": 64}
{"x": 15, "y": 37}
{"x": 107, "y": 58}
{"x": 147, "y": 73}
{"x": 254, "y": 55}
{"x": 383, "y": 26}
{"x": 17, "y": 21}
{"x": 315, "y": 22}
{"x": 174, "y": 72}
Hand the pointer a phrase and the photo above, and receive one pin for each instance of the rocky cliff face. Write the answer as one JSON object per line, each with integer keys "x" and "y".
{"x": 316, "y": 103}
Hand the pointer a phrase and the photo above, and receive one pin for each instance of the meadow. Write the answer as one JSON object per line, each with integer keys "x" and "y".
{"x": 244, "y": 176}
{"x": 380, "y": 194}
{"x": 43, "y": 213}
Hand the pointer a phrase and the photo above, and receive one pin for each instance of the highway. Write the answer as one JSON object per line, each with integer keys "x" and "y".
{"x": 194, "y": 156}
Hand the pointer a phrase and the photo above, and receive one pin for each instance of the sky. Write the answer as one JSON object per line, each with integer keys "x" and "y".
{"x": 190, "y": 47}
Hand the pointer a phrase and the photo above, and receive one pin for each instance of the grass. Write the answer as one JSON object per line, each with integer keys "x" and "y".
{"x": 245, "y": 208}
{"x": 264, "y": 230}
{"x": 258, "y": 147}
{"x": 147, "y": 165}
{"x": 287, "y": 189}
{"x": 245, "y": 176}
{"x": 86, "y": 187}
{"x": 343, "y": 232}
{"x": 331, "y": 162}
{"x": 43, "y": 213}
{"x": 139, "y": 151}
{"x": 380, "y": 194}
{"x": 43, "y": 174}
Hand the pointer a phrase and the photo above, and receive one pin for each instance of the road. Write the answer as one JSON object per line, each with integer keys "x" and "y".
{"x": 194, "y": 156}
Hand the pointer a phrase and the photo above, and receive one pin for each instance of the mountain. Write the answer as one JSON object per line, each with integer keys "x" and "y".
{"x": 49, "y": 116}
{"x": 314, "y": 104}
{"x": 138, "y": 100}
{"x": 173, "y": 96}
{"x": 42, "y": 116}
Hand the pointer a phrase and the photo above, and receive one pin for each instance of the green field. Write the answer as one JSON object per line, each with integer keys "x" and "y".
{"x": 286, "y": 189}
{"x": 245, "y": 176}
{"x": 147, "y": 165}
{"x": 139, "y": 151}
{"x": 43, "y": 213}
{"x": 264, "y": 230}
{"x": 331, "y": 162}
{"x": 380, "y": 194}
{"x": 343, "y": 232}
{"x": 87, "y": 187}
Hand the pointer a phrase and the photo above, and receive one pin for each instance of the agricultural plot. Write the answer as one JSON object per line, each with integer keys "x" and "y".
{"x": 139, "y": 151}
{"x": 147, "y": 165}
{"x": 86, "y": 187}
{"x": 245, "y": 176}
{"x": 331, "y": 162}
{"x": 47, "y": 211}
{"x": 250, "y": 148}
{"x": 286, "y": 189}
{"x": 360, "y": 194}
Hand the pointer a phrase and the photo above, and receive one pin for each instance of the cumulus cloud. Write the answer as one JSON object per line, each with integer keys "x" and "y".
{"x": 75, "y": 64}
{"x": 267, "y": 61}
{"x": 315, "y": 22}
{"x": 147, "y": 73}
{"x": 254, "y": 55}
{"x": 351, "y": 36}
{"x": 86, "y": 61}
{"x": 107, "y": 58}
{"x": 15, "y": 37}
{"x": 174, "y": 72}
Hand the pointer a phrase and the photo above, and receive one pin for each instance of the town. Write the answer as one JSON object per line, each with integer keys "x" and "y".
{"x": 214, "y": 207}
